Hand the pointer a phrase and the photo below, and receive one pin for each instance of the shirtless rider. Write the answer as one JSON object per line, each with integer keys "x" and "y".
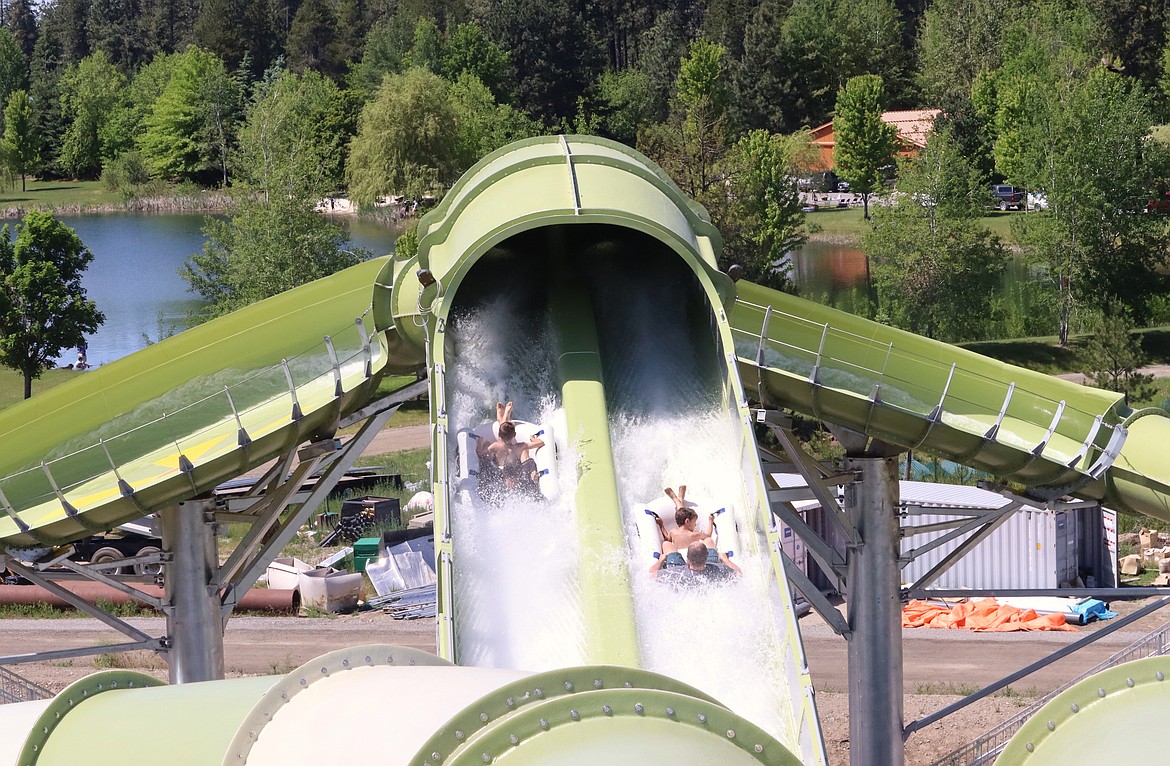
{"x": 506, "y": 460}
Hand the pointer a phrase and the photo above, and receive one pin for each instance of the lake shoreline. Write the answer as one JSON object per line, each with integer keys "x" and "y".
{"x": 206, "y": 203}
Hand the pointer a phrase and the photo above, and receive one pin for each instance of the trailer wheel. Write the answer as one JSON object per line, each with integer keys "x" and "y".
{"x": 106, "y": 555}
{"x": 155, "y": 569}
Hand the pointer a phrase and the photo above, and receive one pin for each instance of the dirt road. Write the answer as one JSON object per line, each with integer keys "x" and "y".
{"x": 938, "y": 665}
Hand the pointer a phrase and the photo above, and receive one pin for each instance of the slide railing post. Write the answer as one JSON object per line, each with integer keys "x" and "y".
{"x": 874, "y": 615}
{"x": 194, "y": 625}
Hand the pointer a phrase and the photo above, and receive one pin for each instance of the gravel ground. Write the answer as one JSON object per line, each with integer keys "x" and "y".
{"x": 935, "y": 662}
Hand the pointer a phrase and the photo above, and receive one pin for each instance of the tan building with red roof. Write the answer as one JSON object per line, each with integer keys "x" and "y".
{"x": 913, "y": 126}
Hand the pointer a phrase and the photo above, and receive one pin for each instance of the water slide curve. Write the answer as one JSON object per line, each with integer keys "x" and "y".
{"x": 571, "y": 219}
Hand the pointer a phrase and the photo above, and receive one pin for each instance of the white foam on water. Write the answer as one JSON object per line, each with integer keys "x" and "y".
{"x": 517, "y": 597}
{"x": 668, "y": 427}
{"x": 723, "y": 638}
{"x": 516, "y": 594}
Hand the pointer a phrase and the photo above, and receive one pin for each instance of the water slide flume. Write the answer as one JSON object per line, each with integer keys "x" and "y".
{"x": 181, "y": 416}
{"x": 1055, "y": 436}
{"x": 407, "y": 706}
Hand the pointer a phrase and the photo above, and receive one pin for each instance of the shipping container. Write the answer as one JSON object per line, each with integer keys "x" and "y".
{"x": 1033, "y": 548}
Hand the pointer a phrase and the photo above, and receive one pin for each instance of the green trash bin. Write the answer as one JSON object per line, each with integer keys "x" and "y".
{"x": 364, "y": 551}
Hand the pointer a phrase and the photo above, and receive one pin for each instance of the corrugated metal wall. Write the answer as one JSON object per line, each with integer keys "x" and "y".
{"x": 1034, "y": 548}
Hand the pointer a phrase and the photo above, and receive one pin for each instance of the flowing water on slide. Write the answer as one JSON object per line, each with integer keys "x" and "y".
{"x": 669, "y": 427}
{"x": 517, "y": 598}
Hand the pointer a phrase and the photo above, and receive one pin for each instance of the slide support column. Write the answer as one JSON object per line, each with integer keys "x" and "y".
{"x": 194, "y": 618}
{"x": 875, "y": 615}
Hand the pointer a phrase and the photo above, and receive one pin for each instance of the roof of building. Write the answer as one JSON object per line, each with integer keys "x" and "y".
{"x": 916, "y": 493}
{"x": 913, "y": 126}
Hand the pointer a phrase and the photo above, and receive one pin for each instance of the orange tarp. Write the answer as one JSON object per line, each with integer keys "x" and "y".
{"x": 986, "y": 615}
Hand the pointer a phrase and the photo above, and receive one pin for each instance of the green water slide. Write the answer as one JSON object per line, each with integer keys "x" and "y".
{"x": 1055, "y": 436}
{"x": 179, "y": 417}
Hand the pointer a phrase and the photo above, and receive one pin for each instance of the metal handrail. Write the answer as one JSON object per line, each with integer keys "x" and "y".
{"x": 331, "y": 370}
{"x": 16, "y": 688}
{"x": 817, "y": 359}
{"x": 984, "y": 749}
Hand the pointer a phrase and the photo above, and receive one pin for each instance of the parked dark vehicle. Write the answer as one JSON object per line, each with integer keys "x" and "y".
{"x": 120, "y": 544}
{"x": 1007, "y": 197}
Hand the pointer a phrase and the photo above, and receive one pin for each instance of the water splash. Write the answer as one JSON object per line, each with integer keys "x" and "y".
{"x": 515, "y": 587}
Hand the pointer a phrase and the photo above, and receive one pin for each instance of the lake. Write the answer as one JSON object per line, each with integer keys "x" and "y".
{"x": 134, "y": 277}
{"x": 135, "y": 280}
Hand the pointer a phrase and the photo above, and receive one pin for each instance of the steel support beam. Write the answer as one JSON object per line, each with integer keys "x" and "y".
{"x": 77, "y": 602}
{"x": 1028, "y": 670}
{"x": 874, "y": 615}
{"x": 194, "y": 627}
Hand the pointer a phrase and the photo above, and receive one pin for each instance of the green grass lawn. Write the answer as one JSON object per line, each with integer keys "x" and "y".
{"x": 12, "y": 384}
{"x": 1043, "y": 355}
{"x": 60, "y": 194}
{"x": 72, "y": 197}
{"x": 848, "y": 223}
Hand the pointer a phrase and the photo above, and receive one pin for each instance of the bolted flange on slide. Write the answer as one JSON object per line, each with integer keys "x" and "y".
{"x": 402, "y": 705}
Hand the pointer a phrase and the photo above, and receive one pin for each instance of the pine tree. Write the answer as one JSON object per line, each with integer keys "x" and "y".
{"x": 313, "y": 40}
{"x": 1113, "y": 355}
{"x": 22, "y": 22}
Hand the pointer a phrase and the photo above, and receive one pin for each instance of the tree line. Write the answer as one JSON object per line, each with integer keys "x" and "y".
{"x": 285, "y": 101}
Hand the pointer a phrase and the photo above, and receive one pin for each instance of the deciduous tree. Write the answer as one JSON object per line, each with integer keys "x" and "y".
{"x": 865, "y": 145}
{"x": 13, "y": 75}
{"x": 484, "y": 125}
{"x": 264, "y": 249}
{"x": 935, "y": 267}
{"x": 822, "y": 44}
{"x": 20, "y": 135}
{"x": 1070, "y": 127}
{"x": 291, "y": 141}
{"x": 191, "y": 126}
{"x": 43, "y": 307}
{"x": 468, "y": 50}
{"x": 407, "y": 141}
{"x": 91, "y": 92}
{"x": 691, "y": 144}
{"x": 761, "y": 216}
{"x": 385, "y": 51}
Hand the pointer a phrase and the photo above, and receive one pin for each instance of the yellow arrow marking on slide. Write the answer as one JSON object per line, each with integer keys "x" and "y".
{"x": 194, "y": 453}
{"x": 171, "y": 463}
{"x": 95, "y": 498}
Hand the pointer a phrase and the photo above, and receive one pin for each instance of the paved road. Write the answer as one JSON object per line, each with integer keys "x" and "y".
{"x": 1157, "y": 370}
{"x": 387, "y": 440}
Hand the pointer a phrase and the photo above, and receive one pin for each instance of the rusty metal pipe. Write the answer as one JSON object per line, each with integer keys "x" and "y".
{"x": 254, "y": 600}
